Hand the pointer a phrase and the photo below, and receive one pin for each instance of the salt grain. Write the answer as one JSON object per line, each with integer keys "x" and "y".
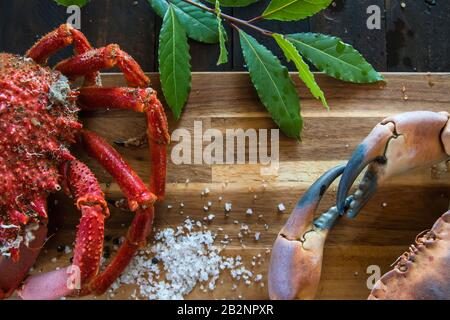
{"x": 186, "y": 259}
{"x": 281, "y": 207}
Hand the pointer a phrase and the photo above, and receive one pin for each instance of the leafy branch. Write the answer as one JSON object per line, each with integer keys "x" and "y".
{"x": 229, "y": 18}
{"x": 270, "y": 78}
{"x": 183, "y": 19}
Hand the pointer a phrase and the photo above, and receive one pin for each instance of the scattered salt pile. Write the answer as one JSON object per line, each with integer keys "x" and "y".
{"x": 180, "y": 259}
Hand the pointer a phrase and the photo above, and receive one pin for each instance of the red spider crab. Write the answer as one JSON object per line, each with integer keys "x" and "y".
{"x": 396, "y": 145}
{"x": 38, "y": 122}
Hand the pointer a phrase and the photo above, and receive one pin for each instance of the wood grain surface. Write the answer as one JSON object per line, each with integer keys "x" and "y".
{"x": 399, "y": 210}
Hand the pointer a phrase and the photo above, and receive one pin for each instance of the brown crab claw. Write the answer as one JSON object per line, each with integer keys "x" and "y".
{"x": 394, "y": 146}
{"x": 296, "y": 261}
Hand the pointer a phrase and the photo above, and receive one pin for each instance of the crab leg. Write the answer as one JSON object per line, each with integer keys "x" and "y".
{"x": 89, "y": 241}
{"x": 135, "y": 239}
{"x": 296, "y": 261}
{"x": 140, "y": 100}
{"x": 81, "y": 182}
{"x": 104, "y": 58}
{"x": 140, "y": 201}
{"x": 58, "y": 39}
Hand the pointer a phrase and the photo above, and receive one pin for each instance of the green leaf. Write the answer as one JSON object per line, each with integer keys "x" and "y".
{"x": 288, "y": 10}
{"x": 199, "y": 25}
{"x": 234, "y": 3}
{"x": 223, "y": 56}
{"x": 68, "y": 3}
{"x": 274, "y": 86}
{"x": 291, "y": 54}
{"x": 334, "y": 57}
{"x": 174, "y": 62}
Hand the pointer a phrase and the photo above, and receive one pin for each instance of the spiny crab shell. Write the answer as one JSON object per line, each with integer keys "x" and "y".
{"x": 38, "y": 121}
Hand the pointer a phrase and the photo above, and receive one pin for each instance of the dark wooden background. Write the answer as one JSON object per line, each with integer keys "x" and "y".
{"x": 413, "y": 37}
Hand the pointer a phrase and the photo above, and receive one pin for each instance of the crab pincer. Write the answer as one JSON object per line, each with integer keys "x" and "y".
{"x": 296, "y": 261}
{"x": 399, "y": 144}
{"x": 396, "y": 145}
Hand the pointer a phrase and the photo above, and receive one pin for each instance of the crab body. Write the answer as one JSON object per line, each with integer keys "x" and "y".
{"x": 38, "y": 121}
{"x": 38, "y": 124}
{"x": 423, "y": 271}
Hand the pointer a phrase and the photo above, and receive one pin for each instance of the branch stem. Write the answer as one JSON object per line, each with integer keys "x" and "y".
{"x": 232, "y": 20}
{"x": 254, "y": 19}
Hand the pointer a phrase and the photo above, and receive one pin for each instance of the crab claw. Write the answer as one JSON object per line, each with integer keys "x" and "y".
{"x": 296, "y": 261}
{"x": 396, "y": 145}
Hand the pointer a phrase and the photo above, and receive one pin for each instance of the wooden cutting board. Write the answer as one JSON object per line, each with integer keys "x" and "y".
{"x": 383, "y": 231}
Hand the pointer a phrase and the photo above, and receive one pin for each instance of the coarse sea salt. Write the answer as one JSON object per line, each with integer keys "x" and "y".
{"x": 177, "y": 262}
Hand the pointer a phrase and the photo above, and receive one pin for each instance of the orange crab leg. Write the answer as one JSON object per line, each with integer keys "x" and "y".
{"x": 104, "y": 58}
{"x": 135, "y": 239}
{"x": 90, "y": 234}
{"x": 58, "y": 39}
{"x": 140, "y": 200}
{"x": 128, "y": 180}
{"x": 140, "y": 100}
{"x": 158, "y": 139}
{"x": 91, "y": 201}
{"x": 89, "y": 240}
